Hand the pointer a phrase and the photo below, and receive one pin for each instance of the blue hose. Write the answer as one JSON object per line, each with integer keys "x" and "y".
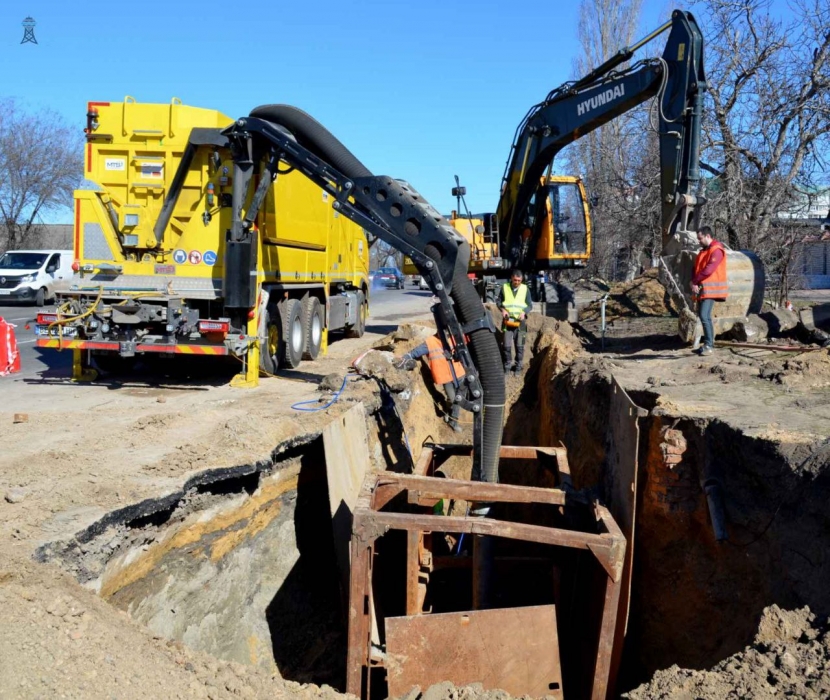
{"x": 296, "y": 406}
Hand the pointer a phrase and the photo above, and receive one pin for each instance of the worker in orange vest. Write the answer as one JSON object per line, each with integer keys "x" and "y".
{"x": 445, "y": 371}
{"x": 709, "y": 283}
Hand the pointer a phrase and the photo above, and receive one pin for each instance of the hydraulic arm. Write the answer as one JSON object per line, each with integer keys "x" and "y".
{"x": 390, "y": 210}
{"x": 576, "y": 108}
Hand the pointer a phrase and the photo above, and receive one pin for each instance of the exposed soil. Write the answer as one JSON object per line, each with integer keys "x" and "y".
{"x": 86, "y": 458}
{"x": 61, "y": 640}
{"x": 643, "y": 296}
{"x": 790, "y": 657}
{"x": 753, "y": 423}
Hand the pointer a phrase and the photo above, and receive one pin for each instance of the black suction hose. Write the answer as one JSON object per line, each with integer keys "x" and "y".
{"x": 487, "y": 359}
{"x": 483, "y": 346}
{"x": 314, "y": 136}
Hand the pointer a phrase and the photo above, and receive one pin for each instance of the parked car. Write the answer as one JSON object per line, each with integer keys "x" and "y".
{"x": 389, "y": 277}
{"x": 34, "y": 275}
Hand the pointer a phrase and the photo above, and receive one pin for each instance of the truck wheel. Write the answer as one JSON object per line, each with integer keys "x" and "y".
{"x": 40, "y": 298}
{"x": 357, "y": 330}
{"x": 269, "y": 347}
{"x": 313, "y": 323}
{"x": 293, "y": 339}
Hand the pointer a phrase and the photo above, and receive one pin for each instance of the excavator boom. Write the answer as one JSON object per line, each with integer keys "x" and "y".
{"x": 577, "y": 108}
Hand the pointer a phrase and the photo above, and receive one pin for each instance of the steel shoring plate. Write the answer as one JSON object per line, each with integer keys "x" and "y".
{"x": 512, "y": 649}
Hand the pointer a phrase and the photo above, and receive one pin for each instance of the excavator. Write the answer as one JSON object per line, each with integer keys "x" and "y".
{"x": 538, "y": 214}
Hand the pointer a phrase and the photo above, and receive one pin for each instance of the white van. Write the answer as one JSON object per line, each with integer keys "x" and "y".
{"x": 34, "y": 275}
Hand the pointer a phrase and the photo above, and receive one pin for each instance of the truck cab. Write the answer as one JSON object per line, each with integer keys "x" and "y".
{"x": 34, "y": 275}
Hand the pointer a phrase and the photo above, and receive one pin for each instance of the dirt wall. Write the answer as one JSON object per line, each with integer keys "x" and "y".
{"x": 695, "y": 600}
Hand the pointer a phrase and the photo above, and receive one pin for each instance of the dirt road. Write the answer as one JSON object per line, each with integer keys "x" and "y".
{"x": 82, "y": 451}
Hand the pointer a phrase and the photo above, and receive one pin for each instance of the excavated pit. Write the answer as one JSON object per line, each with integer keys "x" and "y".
{"x": 695, "y": 601}
{"x": 240, "y": 563}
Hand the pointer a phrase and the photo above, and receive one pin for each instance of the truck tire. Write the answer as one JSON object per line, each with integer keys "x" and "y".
{"x": 313, "y": 322}
{"x": 293, "y": 340}
{"x": 357, "y": 330}
{"x": 40, "y": 298}
{"x": 269, "y": 346}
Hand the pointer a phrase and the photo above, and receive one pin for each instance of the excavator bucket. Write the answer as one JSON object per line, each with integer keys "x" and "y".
{"x": 746, "y": 282}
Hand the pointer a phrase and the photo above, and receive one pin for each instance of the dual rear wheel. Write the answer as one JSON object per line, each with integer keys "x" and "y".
{"x": 294, "y": 331}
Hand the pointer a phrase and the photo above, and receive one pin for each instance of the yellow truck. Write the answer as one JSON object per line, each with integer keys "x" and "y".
{"x": 152, "y": 246}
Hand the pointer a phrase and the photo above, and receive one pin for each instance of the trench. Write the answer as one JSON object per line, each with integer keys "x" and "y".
{"x": 240, "y": 563}
{"x": 694, "y": 600}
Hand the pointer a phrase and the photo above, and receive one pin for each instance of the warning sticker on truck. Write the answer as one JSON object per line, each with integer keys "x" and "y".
{"x": 115, "y": 164}
{"x": 152, "y": 171}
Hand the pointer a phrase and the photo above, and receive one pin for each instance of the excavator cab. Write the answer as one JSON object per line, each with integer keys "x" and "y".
{"x": 560, "y": 211}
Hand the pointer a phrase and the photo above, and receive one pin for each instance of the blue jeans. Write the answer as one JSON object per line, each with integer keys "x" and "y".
{"x": 705, "y": 312}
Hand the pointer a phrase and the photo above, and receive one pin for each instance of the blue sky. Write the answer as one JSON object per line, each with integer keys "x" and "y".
{"x": 417, "y": 90}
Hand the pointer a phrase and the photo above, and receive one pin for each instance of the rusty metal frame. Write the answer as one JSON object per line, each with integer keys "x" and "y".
{"x": 607, "y": 545}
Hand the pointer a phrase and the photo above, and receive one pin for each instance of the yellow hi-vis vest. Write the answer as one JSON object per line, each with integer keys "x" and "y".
{"x": 515, "y": 305}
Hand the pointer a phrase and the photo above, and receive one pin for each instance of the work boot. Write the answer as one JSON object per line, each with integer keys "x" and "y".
{"x": 507, "y": 369}
{"x": 517, "y": 369}
{"x": 457, "y": 428}
{"x": 706, "y": 350}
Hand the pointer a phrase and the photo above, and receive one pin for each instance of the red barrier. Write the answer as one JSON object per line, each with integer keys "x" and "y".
{"x": 9, "y": 355}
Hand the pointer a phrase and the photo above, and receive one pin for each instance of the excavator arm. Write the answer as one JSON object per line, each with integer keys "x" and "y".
{"x": 390, "y": 210}
{"x": 577, "y": 108}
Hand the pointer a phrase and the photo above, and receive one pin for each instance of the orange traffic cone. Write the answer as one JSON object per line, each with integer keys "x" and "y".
{"x": 9, "y": 355}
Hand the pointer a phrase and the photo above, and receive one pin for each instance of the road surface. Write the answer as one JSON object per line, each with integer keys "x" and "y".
{"x": 389, "y": 308}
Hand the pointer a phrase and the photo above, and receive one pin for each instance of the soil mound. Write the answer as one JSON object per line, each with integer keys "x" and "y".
{"x": 790, "y": 657}
{"x": 643, "y": 296}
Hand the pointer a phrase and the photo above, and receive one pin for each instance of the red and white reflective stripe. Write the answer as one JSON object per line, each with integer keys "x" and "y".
{"x": 70, "y": 344}
{"x": 11, "y": 348}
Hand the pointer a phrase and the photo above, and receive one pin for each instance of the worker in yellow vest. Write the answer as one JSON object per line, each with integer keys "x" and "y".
{"x": 515, "y": 304}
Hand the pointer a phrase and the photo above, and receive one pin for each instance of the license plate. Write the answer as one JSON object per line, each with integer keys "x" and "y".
{"x": 68, "y": 332}
{"x": 5, "y": 291}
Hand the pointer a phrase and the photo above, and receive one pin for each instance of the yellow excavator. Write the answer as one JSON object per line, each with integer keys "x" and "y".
{"x": 542, "y": 222}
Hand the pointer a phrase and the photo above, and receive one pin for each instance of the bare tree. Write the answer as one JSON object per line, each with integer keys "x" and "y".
{"x": 614, "y": 160}
{"x": 384, "y": 255}
{"x": 767, "y": 131}
{"x": 41, "y": 162}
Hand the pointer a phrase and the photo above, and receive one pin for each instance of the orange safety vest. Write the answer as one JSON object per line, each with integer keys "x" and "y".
{"x": 715, "y": 286}
{"x": 439, "y": 365}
